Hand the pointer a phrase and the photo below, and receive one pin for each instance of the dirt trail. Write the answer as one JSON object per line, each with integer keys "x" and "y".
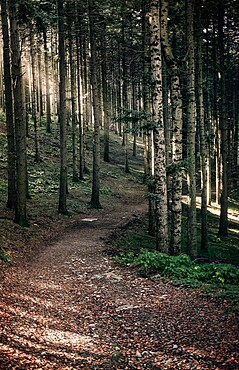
{"x": 71, "y": 307}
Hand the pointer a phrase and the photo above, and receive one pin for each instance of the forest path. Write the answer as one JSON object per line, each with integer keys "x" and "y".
{"x": 71, "y": 307}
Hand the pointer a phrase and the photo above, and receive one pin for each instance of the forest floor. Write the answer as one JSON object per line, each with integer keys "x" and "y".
{"x": 66, "y": 304}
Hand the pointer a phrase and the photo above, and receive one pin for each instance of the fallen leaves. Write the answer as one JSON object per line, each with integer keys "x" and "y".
{"x": 72, "y": 308}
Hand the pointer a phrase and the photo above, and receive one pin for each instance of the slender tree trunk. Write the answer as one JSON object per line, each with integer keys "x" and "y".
{"x": 73, "y": 100}
{"x": 176, "y": 103}
{"x": 34, "y": 95}
{"x": 147, "y": 108}
{"x": 39, "y": 60}
{"x": 208, "y": 118}
{"x": 124, "y": 89}
{"x": 134, "y": 119}
{"x": 236, "y": 135}
{"x": 95, "y": 196}
{"x": 11, "y": 154}
{"x": 203, "y": 140}
{"x": 86, "y": 97}
{"x": 62, "y": 207}
{"x": 215, "y": 118}
{"x": 119, "y": 92}
{"x": 48, "y": 100}
{"x": 80, "y": 91}
{"x": 106, "y": 100}
{"x": 20, "y": 124}
{"x": 223, "y": 226}
{"x": 159, "y": 139}
{"x": 191, "y": 132}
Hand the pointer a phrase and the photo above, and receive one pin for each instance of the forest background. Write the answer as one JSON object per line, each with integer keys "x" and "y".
{"x": 73, "y": 73}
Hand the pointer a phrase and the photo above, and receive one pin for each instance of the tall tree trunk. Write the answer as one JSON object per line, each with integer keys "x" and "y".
{"x": 208, "y": 119}
{"x": 203, "y": 140}
{"x": 106, "y": 100}
{"x": 86, "y": 96}
{"x": 34, "y": 95}
{"x": 40, "y": 95}
{"x": 62, "y": 207}
{"x": 147, "y": 108}
{"x": 191, "y": 132}
{"x": 159, "y": 139}
{"x": 48, "y": 100}
{"x": 73, "y": 99}
{"x": 11, "y": 154}
{"x": 95, "y": 196}
{"x": 124, "y": 88}
{"x": 215, "y": 117}
{"x": 20, "y": 124}
{"x": 134, "y": 118}
{"x": 223, "y": 226}
{"x": 80, "y": 91}
{"x": 176, "y": 103}
{"x": 236, "y": 135}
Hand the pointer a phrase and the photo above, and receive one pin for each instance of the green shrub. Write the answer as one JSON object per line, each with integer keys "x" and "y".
{"x": 182, "y": 268}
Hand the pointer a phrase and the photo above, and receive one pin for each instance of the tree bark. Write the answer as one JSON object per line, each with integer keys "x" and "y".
{"x": 11, "y": 154}
{"x": 95, "y": 196}
{"x": 73, "y": 98}
{"x": 176, "y": 106}
{"x": 223, "y": 225}
{"x": 34, "y": 95}
{"x": 20, "y": 124}
{"x": 62, "y": 207}
{"x": 202, "y": 134}
{"x": 159, "y": 139}
{"x": 48, "y": 100}
{"x": 106, "y": 99}
{"x": 191, "y": 132}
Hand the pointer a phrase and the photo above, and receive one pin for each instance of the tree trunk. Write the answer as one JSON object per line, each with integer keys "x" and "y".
{"x": 223, "y": 226}
{"x": 73, "y": 100}
{"x": 62, "y": 207}
{"x": 34, "y": 95}
{"x": 40, "y": 95}
{"x": 11, "y": 154}
{"x": 106, "y": 100}
{"x": 95, "y": 196}
{"x": 20, "y": 124}
{"x": 203, "y": 139}
{"x": 159, "y": 139}
{"x": 48, "y": 100}
{"x": 147, "y": 108}
{"x": 124, "y": 89}
{"x": 191, "y": 132}
{"x": 176, "y": 106}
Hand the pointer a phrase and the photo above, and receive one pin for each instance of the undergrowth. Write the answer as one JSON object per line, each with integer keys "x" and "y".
{"x": 137, "y": 249}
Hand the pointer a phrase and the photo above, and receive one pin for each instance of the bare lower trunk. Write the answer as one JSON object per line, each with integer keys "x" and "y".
{"x": 11, "y": 155}
{"x": 20, "y": 124}
{"x": 159, "y": 139}
{"x": 62, "y": 207}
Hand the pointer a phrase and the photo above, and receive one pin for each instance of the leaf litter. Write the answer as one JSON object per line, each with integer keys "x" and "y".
{"x": 70, "y": 306}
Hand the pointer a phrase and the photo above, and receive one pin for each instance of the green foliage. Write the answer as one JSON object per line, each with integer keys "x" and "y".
{"x": 176, "y": 167}
{"x": 182, "y": 269}
{"x": 2, "y": 116}
{"x": 105, "y": 190}
{"x": 138, "y": 250}
{"x": 3, "y": 186}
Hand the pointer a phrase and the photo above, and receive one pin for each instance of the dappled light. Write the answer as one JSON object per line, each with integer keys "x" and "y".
{"x": 119, "y": 178}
